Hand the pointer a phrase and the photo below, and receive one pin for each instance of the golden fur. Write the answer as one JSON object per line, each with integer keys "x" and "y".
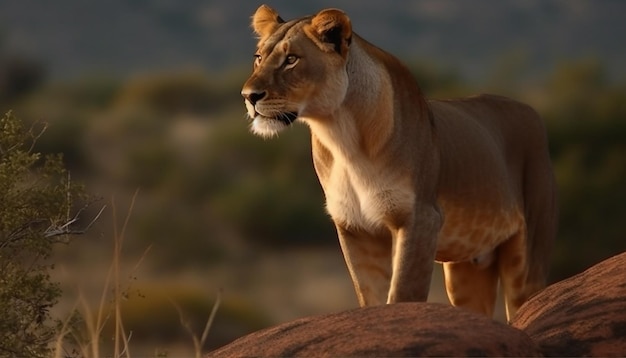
{"x": 466, "y": 182}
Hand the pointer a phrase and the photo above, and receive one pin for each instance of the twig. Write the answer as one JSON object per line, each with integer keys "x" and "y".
{"x": 35, "y": 137}
{"x": 20, "y": 232}
{"x": 65, "y": 228}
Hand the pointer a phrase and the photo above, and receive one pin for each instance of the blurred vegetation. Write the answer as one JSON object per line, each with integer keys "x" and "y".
{"x": 586, "y": 117}
{"x": 209, "y": 187}
{"x": 182, "y": 138}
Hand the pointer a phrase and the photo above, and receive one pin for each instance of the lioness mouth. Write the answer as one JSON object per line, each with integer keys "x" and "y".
{"x": 285, "y": 117}
{"x": 288, "y": 117}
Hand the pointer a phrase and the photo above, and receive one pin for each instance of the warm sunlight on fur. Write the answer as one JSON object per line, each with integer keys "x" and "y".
{"x": 466, "y": 182}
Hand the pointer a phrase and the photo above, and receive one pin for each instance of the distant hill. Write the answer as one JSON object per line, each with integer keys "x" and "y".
{"x": 121, "y": 37}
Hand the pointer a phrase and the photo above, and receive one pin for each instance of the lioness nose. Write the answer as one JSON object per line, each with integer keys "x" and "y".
{"x": 253, "y": 96}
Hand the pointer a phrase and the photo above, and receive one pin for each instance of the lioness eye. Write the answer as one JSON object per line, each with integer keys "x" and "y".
{"x": 291, "y": 59}
{"x": 257, "y": 59}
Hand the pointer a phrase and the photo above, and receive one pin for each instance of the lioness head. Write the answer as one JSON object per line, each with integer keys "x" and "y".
{"x": 299, "y": 68}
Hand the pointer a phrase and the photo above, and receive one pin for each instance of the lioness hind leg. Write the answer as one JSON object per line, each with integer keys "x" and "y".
{"x": 516, "y": 283}
{"x": 472, "y": 285}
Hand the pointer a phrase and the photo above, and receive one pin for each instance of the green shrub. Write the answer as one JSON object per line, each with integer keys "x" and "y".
{"x": 35, "y": 202}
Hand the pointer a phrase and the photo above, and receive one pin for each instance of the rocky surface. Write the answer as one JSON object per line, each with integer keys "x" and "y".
{"x": 584, "y": 315}
{"x": 406, "y": 329}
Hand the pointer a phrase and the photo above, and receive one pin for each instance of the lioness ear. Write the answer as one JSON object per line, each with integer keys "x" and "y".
{"x": 333, "y": 27}
{"x": 265, "y": 21}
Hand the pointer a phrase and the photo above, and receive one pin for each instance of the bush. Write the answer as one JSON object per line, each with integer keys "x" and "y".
{"x": 35, "y": 202}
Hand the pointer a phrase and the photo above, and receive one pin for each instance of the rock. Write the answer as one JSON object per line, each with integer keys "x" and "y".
{"x": 404, "y": 329}
{"x": 584, "y": 315}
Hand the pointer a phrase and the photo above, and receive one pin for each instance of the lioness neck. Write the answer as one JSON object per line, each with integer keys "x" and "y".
{"x": 382, "y": 101}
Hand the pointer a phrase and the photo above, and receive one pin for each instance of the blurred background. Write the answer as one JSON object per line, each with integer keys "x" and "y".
{"x": 144, "y": 94}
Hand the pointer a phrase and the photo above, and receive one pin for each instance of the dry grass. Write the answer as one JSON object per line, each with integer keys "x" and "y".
{"x": 198, "y": 342}
{"x": 82, "y": 339}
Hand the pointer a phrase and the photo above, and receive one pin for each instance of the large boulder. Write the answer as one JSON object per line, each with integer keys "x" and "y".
{"x": 584, "y": 315}
{"x": 405, "y": 329}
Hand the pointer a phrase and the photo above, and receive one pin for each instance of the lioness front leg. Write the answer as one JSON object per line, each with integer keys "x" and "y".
{"x": 413, "y": 250}
{"x": 368, "y": 258}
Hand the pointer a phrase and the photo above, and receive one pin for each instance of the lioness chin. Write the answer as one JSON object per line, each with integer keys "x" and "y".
{"x": 466, "y": 182}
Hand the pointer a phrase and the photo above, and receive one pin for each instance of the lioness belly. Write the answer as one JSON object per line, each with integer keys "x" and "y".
{"x": 471, "y": 234}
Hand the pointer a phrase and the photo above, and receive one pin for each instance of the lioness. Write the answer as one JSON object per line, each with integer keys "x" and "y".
{"x": 466, "y": 182}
